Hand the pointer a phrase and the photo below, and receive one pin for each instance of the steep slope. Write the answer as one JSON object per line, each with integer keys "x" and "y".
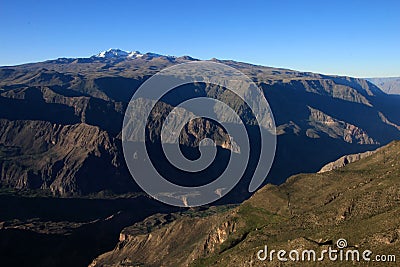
{"x": 359, "y": 202}
{"x": 315, "y": 114}
{"x": 388, "y": 85}
{"x": 50, "y": 231}
{"x": 66, "y": 159}
{"x": 343, "y": 161}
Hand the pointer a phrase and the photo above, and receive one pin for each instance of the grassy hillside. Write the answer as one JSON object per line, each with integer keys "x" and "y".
{"x": 359, "y": 202}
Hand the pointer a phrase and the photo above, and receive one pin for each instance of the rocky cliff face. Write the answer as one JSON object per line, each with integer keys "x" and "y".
{"x": 309, "y": 211}
{"x": 322, "y": 122}
{"x": 343, "y": 161}
{"x": 388, "y": 85}
{"x": 62, "y": 119}
{"x": 67, "y": 159}
{"x": 186, "y": 239}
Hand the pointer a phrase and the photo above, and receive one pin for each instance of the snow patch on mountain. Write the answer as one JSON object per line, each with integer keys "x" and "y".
{"x": 118, "y": 53}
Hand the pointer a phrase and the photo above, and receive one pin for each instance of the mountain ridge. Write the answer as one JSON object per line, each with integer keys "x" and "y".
{"x": 329, "y": 115}
{"x": 60, "y": 143}
{"x": 308, "y": 211}
{"x": 390, "y": 85}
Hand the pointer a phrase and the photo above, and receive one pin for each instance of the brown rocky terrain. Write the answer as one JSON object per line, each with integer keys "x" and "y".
{"x": 343, "y": 161}
{"x": 66, "y": 194}
{"x": 42, "y": 154}
{"x": 315, "y": 114}
{"x": 358, "y": 202}
{"x": 388, "y": 85}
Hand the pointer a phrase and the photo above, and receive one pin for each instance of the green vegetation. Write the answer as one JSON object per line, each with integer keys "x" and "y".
{"x": 359, "y": 202}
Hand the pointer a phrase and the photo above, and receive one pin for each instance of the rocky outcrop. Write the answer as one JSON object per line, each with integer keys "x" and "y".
{"x": 343, "y": 161}
{"x": 176, "y": 243}
{"x": 92, "y": 93}
{"x": 359, "y": 205}
{"x": 385, "y": 120}
{"x": 72, "y": 159}
{"x": 338, "y": 129}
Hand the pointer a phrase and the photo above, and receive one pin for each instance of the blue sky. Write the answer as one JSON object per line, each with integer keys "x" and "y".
{"x": 355, "y": 38}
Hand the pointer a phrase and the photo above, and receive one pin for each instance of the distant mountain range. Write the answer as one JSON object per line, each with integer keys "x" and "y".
{"x": 60, "y": 120}
{"x": 60, "y": 135}
{"x": 120, "y": 54}
{"x": 388, "y": 85}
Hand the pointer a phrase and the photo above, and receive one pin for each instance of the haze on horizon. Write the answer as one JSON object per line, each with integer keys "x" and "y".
{"x": 353, "y": 38}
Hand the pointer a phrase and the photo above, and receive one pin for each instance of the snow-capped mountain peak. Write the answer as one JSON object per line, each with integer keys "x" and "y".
{"x": 121, "y": 54}
{"x": 118, "y": 53}
{"x": 134, "y": 54}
